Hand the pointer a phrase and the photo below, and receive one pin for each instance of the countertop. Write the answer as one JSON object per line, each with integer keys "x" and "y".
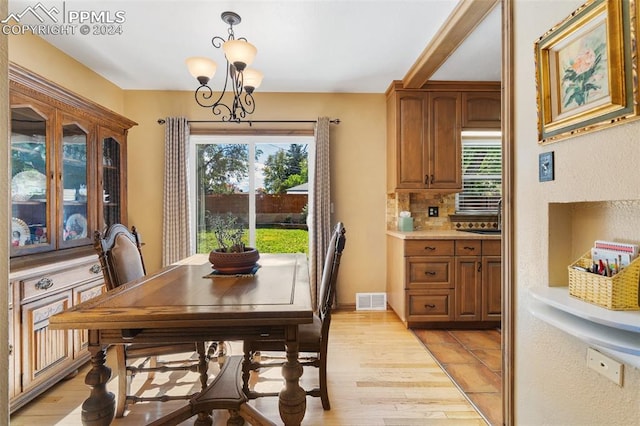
{"x": 442, "y": 235}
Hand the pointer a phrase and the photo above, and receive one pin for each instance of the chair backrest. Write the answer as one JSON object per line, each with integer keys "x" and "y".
{"x": 330, "y": 271}
{"x": 120, "y": 256}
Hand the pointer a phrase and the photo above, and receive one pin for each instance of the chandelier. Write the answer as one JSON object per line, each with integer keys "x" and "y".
{"x": 239, "y": 54}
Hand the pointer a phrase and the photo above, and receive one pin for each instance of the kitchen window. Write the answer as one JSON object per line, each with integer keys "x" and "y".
{"x": 481, "y": 173}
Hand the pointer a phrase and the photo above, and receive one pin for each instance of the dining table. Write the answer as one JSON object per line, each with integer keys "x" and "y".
{"x": 189, "y": 302}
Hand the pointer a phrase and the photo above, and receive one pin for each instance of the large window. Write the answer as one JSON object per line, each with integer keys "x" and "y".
{"x": 481, "y": 173}
{"x": 261, "y": 180}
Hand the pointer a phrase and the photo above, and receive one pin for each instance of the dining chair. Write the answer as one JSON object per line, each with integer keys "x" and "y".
{"x": 313, "y": 338}
{"x": 120, "y": 255}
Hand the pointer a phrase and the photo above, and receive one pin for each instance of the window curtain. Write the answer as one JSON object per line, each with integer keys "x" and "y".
{"x": 319, "y": 221}
{"x": 175, "y": 223}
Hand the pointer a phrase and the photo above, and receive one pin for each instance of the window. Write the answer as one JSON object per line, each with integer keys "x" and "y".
{"x": 481, "y": 173}
{"x": 262, "y": 180}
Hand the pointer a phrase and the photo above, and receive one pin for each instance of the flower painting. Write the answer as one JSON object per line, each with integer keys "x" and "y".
{"x": 586, "y": 76}
{"x": 584, "y": 69}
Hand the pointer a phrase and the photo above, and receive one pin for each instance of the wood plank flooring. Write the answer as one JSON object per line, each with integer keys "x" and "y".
{"x": 379, "y": 375}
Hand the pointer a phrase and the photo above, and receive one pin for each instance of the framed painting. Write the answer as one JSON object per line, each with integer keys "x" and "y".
{"x": 584, "y": 71}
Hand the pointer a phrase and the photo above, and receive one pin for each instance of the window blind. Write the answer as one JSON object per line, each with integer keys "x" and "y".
{"x": 481, "y": 176}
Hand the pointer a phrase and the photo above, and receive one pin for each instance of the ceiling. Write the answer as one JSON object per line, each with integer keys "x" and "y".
{"x": 353, "y": 46}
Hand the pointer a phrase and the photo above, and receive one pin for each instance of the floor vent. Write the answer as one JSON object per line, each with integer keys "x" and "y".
{"x": 371, "y": 301}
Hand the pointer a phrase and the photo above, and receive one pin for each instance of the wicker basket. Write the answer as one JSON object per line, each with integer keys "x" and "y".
{"x": 618, "y": 293}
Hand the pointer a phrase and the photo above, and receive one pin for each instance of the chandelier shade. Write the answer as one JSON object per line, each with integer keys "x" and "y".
{"x": 201, "y": 68}
{"x": 240, "y": 53}
{"x": 251, "y": 79}
{"x": 240, "y": 80}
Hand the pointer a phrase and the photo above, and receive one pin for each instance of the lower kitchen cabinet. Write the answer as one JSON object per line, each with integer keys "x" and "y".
{"x": 40, "y": 357}
{"x": 445, "y": 282}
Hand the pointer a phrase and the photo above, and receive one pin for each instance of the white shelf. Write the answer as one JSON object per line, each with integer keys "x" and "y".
{"x": 616, "y": 333}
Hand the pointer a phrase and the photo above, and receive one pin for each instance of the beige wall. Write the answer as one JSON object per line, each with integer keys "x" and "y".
{"x": 553, "y": 384}
{"x": 357, "y": 154}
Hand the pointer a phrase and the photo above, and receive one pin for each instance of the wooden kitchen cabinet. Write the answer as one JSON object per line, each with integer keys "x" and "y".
{"x": 478, "y": 280}
{"x": 452, "y": 282}
{"x": 481, "y": 110}
{"x": 423, "y": 141}
{"x": 424, "y": 132}
{"x": 68, "y": 179}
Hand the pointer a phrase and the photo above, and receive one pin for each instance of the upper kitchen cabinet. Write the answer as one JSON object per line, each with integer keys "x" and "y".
{"x": 424, "y": 127}
{"x": 67, "y": 169}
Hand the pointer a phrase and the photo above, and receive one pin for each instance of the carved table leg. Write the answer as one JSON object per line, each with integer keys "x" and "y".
{"x": 292, "y": 398}
{"x": 99, "y": 408}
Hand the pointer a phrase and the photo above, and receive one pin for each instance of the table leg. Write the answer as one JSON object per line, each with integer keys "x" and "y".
{"x": 292, "y": 398}
{"x": 99, "y": 408}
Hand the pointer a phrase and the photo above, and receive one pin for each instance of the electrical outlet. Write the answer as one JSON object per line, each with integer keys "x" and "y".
{"x": 612, "y": 370}
{"x": 433, "y": 211}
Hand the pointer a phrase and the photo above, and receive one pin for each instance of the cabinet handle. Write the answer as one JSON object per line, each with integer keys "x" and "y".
{"x": 430, "y": 306}
{"x": 10, "y": 349}
{"x": 479, "y": 267}
{"x": 429, "y": 273}
{"x": 44, "y": 283}
{"x": 429, "y": 248}
{"x": 469, "y": 248}
{"x": 431, "y": 179}
{"x": 426, "y": 179}
{"x": 95, "y": 269}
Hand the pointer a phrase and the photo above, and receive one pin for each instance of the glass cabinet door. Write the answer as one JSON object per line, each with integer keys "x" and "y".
{"x": 113, "y": 197}
{"x": 31, "y": 178}
{"x": 77, "y": 189}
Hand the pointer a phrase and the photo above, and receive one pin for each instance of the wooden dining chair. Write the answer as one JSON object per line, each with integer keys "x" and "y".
{"x": 121, "y": 261}
{"x": 313, "y": 338}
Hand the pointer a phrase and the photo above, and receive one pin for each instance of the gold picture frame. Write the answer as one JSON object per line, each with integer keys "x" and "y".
{"x": 585, "y": 70}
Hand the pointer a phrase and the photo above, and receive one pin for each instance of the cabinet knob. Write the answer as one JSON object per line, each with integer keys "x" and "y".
{"x": 95, "y": 269}
{"x": 44, "y": 283}
{"x": 429, "y": 273}
{"x": 430, "y": 306}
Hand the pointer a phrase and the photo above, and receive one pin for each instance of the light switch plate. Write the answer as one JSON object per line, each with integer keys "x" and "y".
{"x": 612, "y": 370}
{"x": 545, "y": 167}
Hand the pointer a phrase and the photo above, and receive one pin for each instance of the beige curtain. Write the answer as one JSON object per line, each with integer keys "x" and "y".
{"x": 175, "y": 223}
{"x": 319, "y": 220}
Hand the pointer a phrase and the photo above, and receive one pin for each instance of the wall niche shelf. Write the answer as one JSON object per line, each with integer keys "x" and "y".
{"x": 616, "y": 333}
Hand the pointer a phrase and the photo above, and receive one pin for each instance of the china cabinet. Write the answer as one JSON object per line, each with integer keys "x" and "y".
{"x": 68, "y": 179}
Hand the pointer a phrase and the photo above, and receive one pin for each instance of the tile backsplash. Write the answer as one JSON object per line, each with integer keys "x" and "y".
{"x": 418, "y": 204}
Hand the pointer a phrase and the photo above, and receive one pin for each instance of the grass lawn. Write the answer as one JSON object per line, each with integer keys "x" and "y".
{"x": 268, "y": 240}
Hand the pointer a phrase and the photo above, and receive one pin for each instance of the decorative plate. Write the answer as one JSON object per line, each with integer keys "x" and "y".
{"x": 20, "y": 233}
{"x": 27, "y": 184}
{"x": 76, "y": 227}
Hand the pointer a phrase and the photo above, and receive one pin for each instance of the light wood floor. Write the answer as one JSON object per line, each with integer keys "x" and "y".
{"x": 379, "y": 374}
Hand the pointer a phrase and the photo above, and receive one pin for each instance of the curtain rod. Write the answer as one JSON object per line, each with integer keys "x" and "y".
{"x": 334, "y": 121}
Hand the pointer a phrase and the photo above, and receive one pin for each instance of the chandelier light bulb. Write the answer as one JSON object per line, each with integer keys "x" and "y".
{"x": 240, "y": 53}
{"x": 202, "y": 68}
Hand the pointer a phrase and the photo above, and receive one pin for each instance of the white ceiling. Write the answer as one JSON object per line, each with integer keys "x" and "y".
{"x": 355, "y": 46}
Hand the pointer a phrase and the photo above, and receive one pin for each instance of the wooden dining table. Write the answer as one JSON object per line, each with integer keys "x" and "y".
{"x": 185, "y": 302}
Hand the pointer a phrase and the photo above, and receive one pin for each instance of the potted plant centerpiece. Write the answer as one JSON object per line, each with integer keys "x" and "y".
{"x": 231, "y": 256}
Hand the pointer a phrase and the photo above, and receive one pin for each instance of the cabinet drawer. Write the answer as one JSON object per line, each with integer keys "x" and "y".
{"x": 50, "y": 283}
{"x": 491, "y": 248}
{"x": 431, "y": 306}
{"x": 430, "y": 272}
{"x": 468, "y": 247}
{"x": 428, "y": 247}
